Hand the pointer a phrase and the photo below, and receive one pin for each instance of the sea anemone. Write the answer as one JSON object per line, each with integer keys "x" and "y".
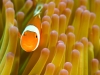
{"x": 69, "y": 37}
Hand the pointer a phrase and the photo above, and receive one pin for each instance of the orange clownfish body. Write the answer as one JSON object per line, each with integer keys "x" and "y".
{"x": 30, "y": 37}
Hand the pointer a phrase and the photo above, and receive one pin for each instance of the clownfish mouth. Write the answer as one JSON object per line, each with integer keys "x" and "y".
{"x": 28, "y": 47}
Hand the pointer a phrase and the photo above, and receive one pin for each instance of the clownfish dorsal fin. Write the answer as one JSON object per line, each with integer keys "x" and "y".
{"x": 36, "y": 21}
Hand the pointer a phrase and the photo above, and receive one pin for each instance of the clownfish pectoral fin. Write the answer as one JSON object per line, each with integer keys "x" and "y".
{"x": 19, "y": 35}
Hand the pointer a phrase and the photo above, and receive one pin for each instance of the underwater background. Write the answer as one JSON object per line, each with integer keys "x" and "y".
{"x": 69, "y": 38}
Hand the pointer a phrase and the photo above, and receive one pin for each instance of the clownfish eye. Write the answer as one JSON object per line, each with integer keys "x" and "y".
{"x": 36, "y": 36}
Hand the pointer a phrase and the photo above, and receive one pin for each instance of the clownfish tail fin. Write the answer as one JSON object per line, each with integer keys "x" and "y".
{"x": 38, "y": 9}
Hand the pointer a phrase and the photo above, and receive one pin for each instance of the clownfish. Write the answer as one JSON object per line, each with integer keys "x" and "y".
{"x": 30, "y": 38}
